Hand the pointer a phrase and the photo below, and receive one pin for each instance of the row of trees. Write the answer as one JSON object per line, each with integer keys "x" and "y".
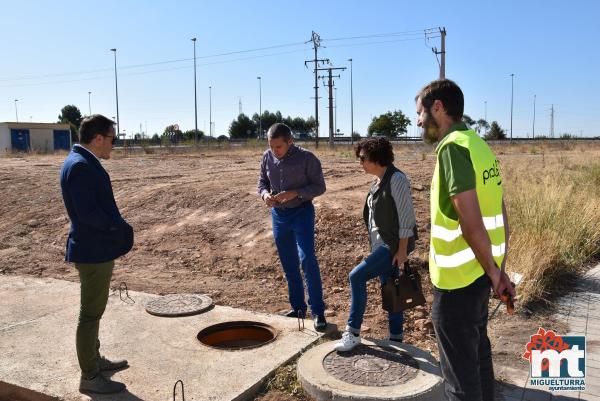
{"x": 246, "y": 127}
{"x": 392, "y": 124}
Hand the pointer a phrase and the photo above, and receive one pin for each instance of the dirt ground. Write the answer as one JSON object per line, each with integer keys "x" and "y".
{"x": 200, "y": 227}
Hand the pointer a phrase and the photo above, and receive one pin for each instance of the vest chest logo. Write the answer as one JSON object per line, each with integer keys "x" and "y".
{"x": 491, "y": 173}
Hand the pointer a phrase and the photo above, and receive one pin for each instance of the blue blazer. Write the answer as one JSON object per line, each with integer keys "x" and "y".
{"x": 98, "y": 232}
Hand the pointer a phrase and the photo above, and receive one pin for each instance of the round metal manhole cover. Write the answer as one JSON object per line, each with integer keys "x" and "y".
{"x": 371, "y": 366}
{"x": 179, "y": 305}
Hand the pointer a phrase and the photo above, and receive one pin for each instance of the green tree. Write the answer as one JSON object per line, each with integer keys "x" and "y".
{"x": 71, "y": 115}
{"x": 482, "y": 124}
{"x": 190, "y": 135}
{"x": 468, "y": 120}
{"x": 268, "y": 119}
{"x": 243, "y": 127}
{"x": 390, "y": 124}
{"x": 495, "y": 133}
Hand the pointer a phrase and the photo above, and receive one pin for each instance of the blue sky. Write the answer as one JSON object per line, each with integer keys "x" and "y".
{"x": 54, "y": 53}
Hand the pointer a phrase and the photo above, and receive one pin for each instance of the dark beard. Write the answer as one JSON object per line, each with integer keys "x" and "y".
{"x": 430, "y": 129}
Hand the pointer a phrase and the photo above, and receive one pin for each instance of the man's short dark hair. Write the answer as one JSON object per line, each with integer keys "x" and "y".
{"x": 448, "y": 93}
{"x": 279, "y": 130}
{"x": 376, "y": 149}
{"x": 93, "y": 125}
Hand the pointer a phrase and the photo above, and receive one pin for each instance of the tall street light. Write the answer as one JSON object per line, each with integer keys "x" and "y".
{"x": 90, "y": 102}
{"x": 210, "y": 110}
{"x": 195, "y": 97}
{"x": 116, "y": 92}
{"x": 351, "y": 107}
{"x": 16, "y": 112}
{"x": 335, "y": 111}
{"x": 485, "y": 115}
{"x": 533, "y": 131}
{"x": 259, "y": 107}
{"x": 512, "y": 76}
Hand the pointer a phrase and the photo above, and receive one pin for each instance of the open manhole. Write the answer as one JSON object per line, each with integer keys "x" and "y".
{"x": 237, "y": 335}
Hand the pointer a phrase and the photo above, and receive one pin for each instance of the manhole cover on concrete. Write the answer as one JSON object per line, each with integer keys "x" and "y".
{"x": 179, "y": 305}
{"x": 373, "y": 371}
{"x": 371, "y": 366}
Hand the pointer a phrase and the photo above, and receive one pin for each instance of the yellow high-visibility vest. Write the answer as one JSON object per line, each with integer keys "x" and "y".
{"x": 452, "y": 263}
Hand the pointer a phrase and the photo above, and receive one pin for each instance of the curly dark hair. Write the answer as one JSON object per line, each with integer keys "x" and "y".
{"x": 376, "y": 149}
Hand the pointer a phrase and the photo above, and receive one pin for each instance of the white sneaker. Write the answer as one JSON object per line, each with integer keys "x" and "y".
{"x": 348, "y": 342}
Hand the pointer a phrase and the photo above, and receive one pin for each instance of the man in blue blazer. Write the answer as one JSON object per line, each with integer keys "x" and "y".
{"x": 98, "y": 236}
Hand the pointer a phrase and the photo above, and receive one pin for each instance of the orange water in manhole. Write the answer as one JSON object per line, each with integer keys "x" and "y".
{"x": 237, "y": 335}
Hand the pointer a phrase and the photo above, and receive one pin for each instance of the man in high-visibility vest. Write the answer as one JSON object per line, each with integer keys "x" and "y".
{"x": 469, "y": 241}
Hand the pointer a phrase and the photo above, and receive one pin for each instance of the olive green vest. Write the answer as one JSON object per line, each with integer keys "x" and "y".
{"x": 386, "y": 215}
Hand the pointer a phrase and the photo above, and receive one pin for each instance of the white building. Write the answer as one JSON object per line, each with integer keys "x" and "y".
{"x": 39, "y": 137}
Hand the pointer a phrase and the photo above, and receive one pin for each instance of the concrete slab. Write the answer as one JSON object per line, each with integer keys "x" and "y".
{"x": 371, "y": 375}
{"x": 38, "y": 318}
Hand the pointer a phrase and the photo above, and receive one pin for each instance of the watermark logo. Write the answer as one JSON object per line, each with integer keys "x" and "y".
{"x": 557, "y": 363}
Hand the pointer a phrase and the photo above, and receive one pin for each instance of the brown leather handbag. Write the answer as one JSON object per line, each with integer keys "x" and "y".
{"x": 402, "y": 290}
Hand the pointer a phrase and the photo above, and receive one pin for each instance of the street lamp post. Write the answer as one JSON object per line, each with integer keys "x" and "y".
{"x": 485, "y": 116}
{"x": 90, "y": 102}
{"x": 195, "y": 97}
{"x": 512, "y": 76}
{"x": 16, "y": 111}
{"x": 335, "y": 111}
{"x": 259, "y": 107}
{"x": 533, "y": 130}
{"x": 351, "y": 107}
{"x": 116, "y": 92}
{"x": 210, "y": 110}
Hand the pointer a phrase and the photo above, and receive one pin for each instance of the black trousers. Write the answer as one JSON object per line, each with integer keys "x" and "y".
{"x": 460, "y": 321}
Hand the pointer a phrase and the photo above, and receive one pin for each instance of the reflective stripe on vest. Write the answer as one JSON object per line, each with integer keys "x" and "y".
{"x": 462, "y": 257}
{"x": 452, "y": 263}
{"x": 490, "y": 223}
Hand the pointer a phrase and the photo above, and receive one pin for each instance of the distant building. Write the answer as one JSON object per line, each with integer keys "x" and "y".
{"x": 39, "y": 137}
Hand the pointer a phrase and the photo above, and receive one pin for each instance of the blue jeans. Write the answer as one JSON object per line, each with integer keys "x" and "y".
{"x": 294, "y": 233}
{"x": 378, "y": 263}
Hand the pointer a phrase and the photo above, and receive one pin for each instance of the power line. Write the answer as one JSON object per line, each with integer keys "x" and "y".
{"x": 378, "y": 35}
{"x": 23, "y": 77}
{"x": 427, "y": 31}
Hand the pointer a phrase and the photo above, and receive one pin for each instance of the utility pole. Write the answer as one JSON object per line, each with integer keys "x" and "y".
{"x": 330, "y": 84}
{"x": 316, "y": 39}
{"x": 210, "y": 110}
{"x": 116, "y": 92}
{"x": 533, "y": 129}
{"x": 90, "y": 102}
{"x": 240, "y": 107}
{"x": 351, "y": 107}
{"x": 195, "y": 98}
{"x": 552, "y": 122}
{"x": 442, "y": 53}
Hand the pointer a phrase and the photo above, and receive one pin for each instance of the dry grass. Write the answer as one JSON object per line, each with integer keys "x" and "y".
{"x": 553, "y": 204}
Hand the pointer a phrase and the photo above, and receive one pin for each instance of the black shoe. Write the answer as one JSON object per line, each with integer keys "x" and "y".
{"x": 320, "y": 323}
{"x": 107, "y": 364}
{"x": 100, "y": 385}
{"x": 294, "y": 313}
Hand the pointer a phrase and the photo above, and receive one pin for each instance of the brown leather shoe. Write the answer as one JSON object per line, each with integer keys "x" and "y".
{"x": 100, "y": 385}
{"x": 106, "y": 364}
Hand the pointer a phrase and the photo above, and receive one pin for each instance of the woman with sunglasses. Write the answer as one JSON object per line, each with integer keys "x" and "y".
{"x": 390, "y": 219}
